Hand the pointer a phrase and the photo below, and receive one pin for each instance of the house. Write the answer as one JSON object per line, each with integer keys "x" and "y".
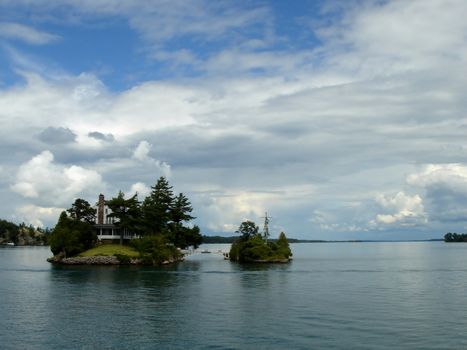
{"x": 106, "y": 226}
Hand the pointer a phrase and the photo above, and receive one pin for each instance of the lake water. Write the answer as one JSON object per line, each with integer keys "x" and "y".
{"x": 332, "y": 296}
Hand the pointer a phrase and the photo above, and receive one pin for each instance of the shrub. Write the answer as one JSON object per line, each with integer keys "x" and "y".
{"x": 123, "y": 259}
{"x": 154, "y": 249}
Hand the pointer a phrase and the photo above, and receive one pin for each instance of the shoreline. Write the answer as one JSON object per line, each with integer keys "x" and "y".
{"x": 103, "y": 260}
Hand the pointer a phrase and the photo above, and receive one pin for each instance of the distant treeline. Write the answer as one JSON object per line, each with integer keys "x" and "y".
{"x": 231, "y": 239}
{"x": 455, "y": 237}
{"x": 219, "y": 239}
{"x": 22, "y": 234}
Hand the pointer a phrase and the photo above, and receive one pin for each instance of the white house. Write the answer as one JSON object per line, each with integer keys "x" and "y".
{"x": 105, "y": 226}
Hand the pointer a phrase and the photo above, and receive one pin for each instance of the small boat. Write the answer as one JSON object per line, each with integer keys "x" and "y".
{"x": 205, "y": 251}
{"x": 11, "y": 244}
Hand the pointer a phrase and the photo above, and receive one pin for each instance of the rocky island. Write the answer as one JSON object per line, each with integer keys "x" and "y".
{"x": 252, "y": 247}
{"x": 151, "y": 232}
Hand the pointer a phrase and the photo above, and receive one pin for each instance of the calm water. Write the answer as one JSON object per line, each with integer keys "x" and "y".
{"x": 332, "y": 296}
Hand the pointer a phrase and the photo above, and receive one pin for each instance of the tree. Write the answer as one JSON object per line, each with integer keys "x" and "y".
{"x": 248, "y": 229}
{"x": 127, "y": 211}
{"x": 252, "y": 247}
{"x": 181, "y": 209}
{"x": 156, "y": 208}
{"x": 71, "y": 237}
{"x": 183, "y": 237}
{"x": 9, "y": 231}
{"x": 283, "y": 247}
{"x": 180, "y": 235}
{"x": 83, "y": 211}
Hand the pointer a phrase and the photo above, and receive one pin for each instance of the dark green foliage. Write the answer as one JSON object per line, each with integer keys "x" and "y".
{"x": 71, "y": 237}
{"x": 127, "y": 211}
{"x": 455, "y": 237}
{"x": 283, "y": 248}
{"x": 251, "y": 247}
{"x": 166, "y": 215}
{"x": 9, "y": 231}
{"x": 181, "y": 209}
{"x": 82, "y": 210}
{"x": 184, "y": 237}
{"x": 123, "y": 259}
{"x": 219, "y": 239}
{"x": 156, "y": 208}
{"x": 248, "y": 229}
{"x": 155, "y": 250}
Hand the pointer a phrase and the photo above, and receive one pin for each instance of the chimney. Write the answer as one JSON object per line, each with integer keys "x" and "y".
{"x": 100, "y": 210}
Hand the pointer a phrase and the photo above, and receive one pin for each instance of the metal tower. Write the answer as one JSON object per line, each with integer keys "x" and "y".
{"x": 266, "y": 227}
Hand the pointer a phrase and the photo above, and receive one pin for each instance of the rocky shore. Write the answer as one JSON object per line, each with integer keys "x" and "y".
{"x": 101, "y": 260}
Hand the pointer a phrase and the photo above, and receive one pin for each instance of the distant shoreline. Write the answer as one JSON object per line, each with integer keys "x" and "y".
{"x": 231, "y": 239}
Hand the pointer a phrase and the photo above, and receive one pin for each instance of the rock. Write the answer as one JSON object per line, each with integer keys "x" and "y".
{"x": 99, "y": 260}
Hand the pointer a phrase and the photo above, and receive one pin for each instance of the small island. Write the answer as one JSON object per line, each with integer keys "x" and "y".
{"x": 455, "y": 237}
{"x": 252, "y": 247}
{"x": 124, "y": 231}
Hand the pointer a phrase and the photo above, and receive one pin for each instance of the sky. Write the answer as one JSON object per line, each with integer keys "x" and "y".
{"x": 341, "y": 119}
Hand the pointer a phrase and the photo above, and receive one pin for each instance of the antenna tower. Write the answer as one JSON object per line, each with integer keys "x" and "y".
{"x": 266, "y": 227}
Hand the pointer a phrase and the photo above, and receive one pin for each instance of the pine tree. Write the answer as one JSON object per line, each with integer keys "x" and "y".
{"x": 157, "y": 208}
{"x": 181, "y": 210}
{"x": 82, "y": 210}
{"x": 127, "y": 211}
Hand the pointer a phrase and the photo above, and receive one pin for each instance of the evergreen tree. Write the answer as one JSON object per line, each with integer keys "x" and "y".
{"x": 157, "y": 208}
{"x": 127, "y": 211}
{"x": 71, "y": 237}
{"x": 180, "y": 235}
{"x": 181, "y": 210}
{"x": 83, "y": 211}
{"x": 283, "y": 247}
{"x": 248, "y": 229}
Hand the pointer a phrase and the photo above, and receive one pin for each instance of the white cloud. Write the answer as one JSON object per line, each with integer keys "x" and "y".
{"x": 51, "y": 184}
{"x": 406, "y": 210}
{"x": 445, "y": 191}
{"x": 83, "y": 105}
{"x": 140, "y": 188}
{"x": 448, "y": 175}
{"x": 25, "y": 33}
{"x": 36, "y": 215}
{"x": 141, "y": 153}
{"x": 381, "y": 38}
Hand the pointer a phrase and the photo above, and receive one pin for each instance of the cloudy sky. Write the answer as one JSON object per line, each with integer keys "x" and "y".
{"x": 341, "y": 119}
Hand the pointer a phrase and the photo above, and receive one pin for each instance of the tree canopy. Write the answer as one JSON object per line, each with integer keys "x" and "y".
{"x": 83, "y": 211}
{"x": 248, "y": 229}
{"x": 71, "y": 236}
{"x": 127, "y": 211}
{"x": 164, "y": 214}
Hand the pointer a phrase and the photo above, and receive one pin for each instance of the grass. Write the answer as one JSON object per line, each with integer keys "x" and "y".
{"x": 111, "y": 249}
